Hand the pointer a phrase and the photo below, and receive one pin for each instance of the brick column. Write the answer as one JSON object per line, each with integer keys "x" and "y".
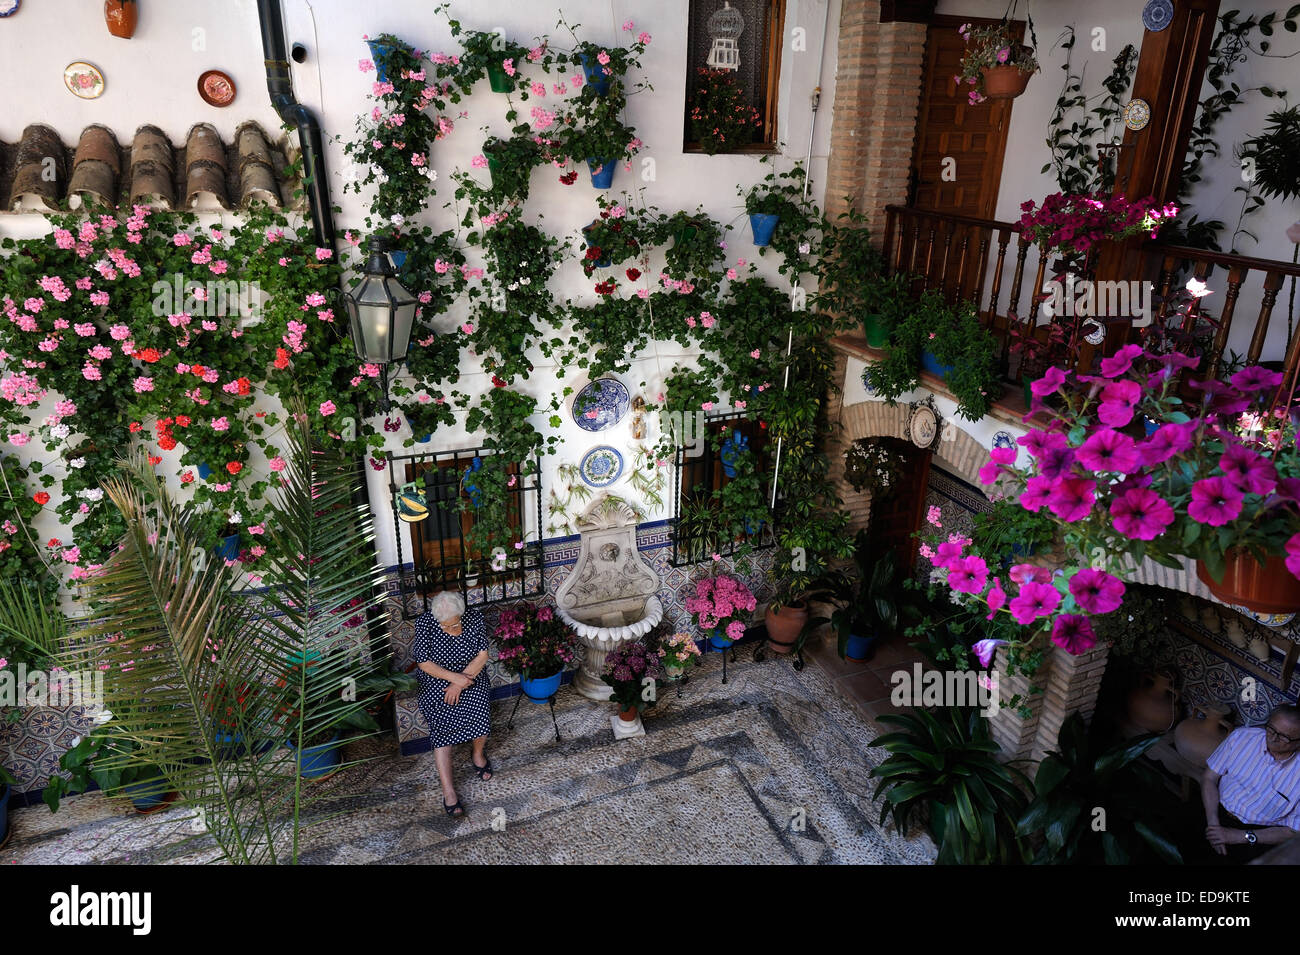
{"x": 878, "y": 78}
{"x": 1069, "y": 685}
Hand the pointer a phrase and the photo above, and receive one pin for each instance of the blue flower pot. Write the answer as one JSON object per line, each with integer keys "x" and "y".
{"x": 730, "y": 452}
{"x": 931, "y": 364}
{"x": 1150, "y": 426}
{"x": 859, "y": 648}
{"x": 596, "y": 76}
{"x": 228, "y": 549}
{"x": 720, "y": 642}
{"x": 379, "y": 52}
{"x": 599, "y": 263}
{"x": 426, "y": 439}
{"x": 146, "y": 795}
{"x": 542, "y": 689}
{"x": 605, "y": 178}
{"x": 475, "y": 495}
{"x": 5, "y": 790}
{"x": 317, "y": 761}
{"x": 763, "y": 225}
{"x": 204, "y": 471}
{"x": 398, "y": 258}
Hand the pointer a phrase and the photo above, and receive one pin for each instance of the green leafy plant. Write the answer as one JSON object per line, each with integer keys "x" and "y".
{"x": 722, "y": 120}
{"x": 108, "y": 761}
{"x": 1007, "y": 533}
{"x": 872, "y": 466}
{"x": 873, "y": 601}
{"x": 944, "y": 766}
{"x": 990, "y": 47}
{"x": 784, "y": 194}
{"x": 512, "y": 161}
{"x": 1084, "y": 774}
{"x": 959, "y": 340}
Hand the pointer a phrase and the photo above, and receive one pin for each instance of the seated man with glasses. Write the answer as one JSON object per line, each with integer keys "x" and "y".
{"x": 1251, "y": 787}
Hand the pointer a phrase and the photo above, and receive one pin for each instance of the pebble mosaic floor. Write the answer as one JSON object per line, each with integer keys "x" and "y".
{"x": 722, "y": 775}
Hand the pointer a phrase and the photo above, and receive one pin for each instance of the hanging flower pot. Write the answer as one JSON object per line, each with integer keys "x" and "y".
{"x": 379, "y": 54}
{"x": 1265, "y": 588}
{"x": 1005, "y": 82}
{"x": 602, "y": 172}
{"x": 121, "y": 15}
{"x": 763, "y": 225}
{"x": 605, "y": 261}
{"x": 228, "y": 549}
{"x": 596, "y": 75}
{"x": 729, "y": 454}
{"x": 499, "y": 80}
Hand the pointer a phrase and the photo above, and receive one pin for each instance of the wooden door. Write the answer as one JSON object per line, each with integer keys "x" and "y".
{"x": 957, "y": 156}
{"x": 894, "y": 519}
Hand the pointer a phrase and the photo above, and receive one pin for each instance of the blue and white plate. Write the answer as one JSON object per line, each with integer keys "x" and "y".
{"x": 601, "y": 405}
{"x": 1003, "y": 439}
{"x": 601, "y": 467}
{"x": 9, "y": 7}
{"x": 1157, "y": 14}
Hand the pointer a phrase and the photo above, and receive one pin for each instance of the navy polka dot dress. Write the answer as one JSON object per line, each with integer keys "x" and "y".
{"x": 470, "y": 717}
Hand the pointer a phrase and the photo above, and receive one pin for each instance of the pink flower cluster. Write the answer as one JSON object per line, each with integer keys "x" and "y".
{"x": 717, "y": 600}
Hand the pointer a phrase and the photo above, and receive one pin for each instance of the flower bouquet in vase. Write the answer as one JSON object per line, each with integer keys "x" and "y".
{"x": 718, "y": 606}
{"x": 534, "y": 645}
{"x": 678, "y": 652}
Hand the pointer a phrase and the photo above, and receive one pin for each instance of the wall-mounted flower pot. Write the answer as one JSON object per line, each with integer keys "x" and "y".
{"x": 1005, "y": 82}
{"x": 685, "y": 235}
{"x": 475, "y": 495}
{"x": 596, "y": 76}
{"x": 1265, "y": 588}
{"x": 499, "y": 80}
{"x": 541, "y": 689}
{"x": 317, "y": 761}
{"x": 934, "y": 366}
{"x": 425, "y": 439}
{"x": 763, "y": 225}
{"x": 877, "y": 330}
{"x": 604, "y": 263}
{"x": 729, "y": 453}
{"x": 379, "y": 54}
{"x": 121, "y": 16}
{"x": 228, "y": 549}
{"x": 398, "y": 258}
{"x": 602, "y": 172}
{"x": 204, "y": 472}
{"x": 494, "y": 168}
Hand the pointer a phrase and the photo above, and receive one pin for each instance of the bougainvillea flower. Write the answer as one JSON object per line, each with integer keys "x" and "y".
{"x": 1073, "y": 633}
{"x": 1120, "y": 362}
{"x": 1215, "y": 501}
{"x": 1072, "y": 499}
{"x": 1249, "y": 471}
{"x": 968, "y": 575}
{"x": 984, "y": 650}
{"x": 1108, "y": 450}
{"x": 1037, "y": 492}
{"x": 1034, "y": 601}
{"x": 1141, "y": 514}
{"x": 1097, "y": 591}
{"x": 1029, "y": 574}
{"x": 1255, "y": 378}
{"x": 1168, "y": 440}
{"x": 1118, "y": 401}
{"x": 1049, "y": 383}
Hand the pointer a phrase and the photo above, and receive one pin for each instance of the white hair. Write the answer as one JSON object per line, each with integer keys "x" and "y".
{"x": 446, "y": 605}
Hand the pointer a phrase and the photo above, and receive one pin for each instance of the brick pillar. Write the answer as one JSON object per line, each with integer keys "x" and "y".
{"x": 1069, "y": 685}
{"x": 878, "y": 78}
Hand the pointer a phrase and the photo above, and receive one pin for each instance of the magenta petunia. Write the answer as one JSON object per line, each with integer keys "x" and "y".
{"x": 1108, "y": 450}
{"x": 1073, "y": 633}
{"x": 1119, "y": 399}
{"x": 997, "y": 599}
{"x": 1072, "y": 499}
{"x": 1293, "y": 555}
{"x": 1048, "y": 384}
{"x": 998, "y": 458}
{"x": 1038, "y": 443}
{"x": 1215, "y": 501}
{"x": 1037, "y": 492}
{"x": 949, "y": 552}
{"x": 1249, "y": 471}
{"x": 1120, "y": 362}
{"x": 1255, "y": 378}
{"x": 1168, "y": 440}
{"x": 1029, "y": 574}
{"x": 1034, "y": 601}
{"x": 1056, "y": 463}
{"x": 1141, "y": 514}
{"x": 968, "y": 575}
{"x": 1097, "y": 591}
{"x": 984, "y": 650}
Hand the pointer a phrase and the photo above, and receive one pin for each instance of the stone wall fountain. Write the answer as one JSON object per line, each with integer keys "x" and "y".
{"x": 609, "y": 598}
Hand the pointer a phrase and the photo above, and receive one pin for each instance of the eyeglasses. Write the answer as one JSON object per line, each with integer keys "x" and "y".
{"x": 1274, "y": 734}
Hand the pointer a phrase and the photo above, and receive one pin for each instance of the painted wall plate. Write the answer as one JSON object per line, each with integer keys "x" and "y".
{"x": 9, "y": 7}
{"x": 601, "y": 467}
{"x": 1137, "y": 114}
{"x": 1157, "y": 14}
{"x": 923, "y": 425}
{"x": 1004, "y": 440}
{"x": 216, "y": 88}
{"x": 601, "y": 405}
{"x": 84, "y": 80}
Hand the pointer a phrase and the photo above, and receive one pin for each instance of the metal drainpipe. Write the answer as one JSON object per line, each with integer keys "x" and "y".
{"x": 280, "y": 87}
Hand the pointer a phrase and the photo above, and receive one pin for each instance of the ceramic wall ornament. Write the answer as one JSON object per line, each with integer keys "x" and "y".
{"x": 923, "y": 424}
{"x": 1273, "y": 620}
{"x": 83, "y": 80}
{"x": 601, "y": 404}
{"x": 1137, "y": 114}
{"x": 601, "y": 467}
{"x": 216, "y": 88}
{"x": 1157, "y": 14}
{"x": 9, "y": 7}
{"x": 121, "y": 15}
{"x": 1003, "y": 440}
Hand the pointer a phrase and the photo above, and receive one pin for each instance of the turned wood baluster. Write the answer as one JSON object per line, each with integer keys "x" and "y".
{"x": 992, "y": 319}
{"x": 929, "y": 258}
{"x": 916, "y": 239}
{"x": 947, "y": 257}
{"x": 1165, "y": 284}
{"x": 981, "y": 267}
{"x": 1272, "y": 283}
{"x": 1013, "y": 304}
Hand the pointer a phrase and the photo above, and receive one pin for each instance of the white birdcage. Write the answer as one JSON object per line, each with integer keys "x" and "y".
{"x": 725, "y": 27}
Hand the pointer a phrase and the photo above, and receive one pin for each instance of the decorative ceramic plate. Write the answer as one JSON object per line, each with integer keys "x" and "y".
{"x": 9, "y": 7}
{"x": 923, "y": 426}
{"x": 1137, "y": 114}
{"x": 216, "y": 88}
{"x": 601, "y": 467}
{"x": 601, "y": 405}
{"x": 1004, "y": 440}
{"x": 84, "y": 80}
{"x": 1157, "y": 14}
{"x": 1097, "y": 335}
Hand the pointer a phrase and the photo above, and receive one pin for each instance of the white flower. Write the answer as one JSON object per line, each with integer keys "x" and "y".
{"x": 433, "y": 174}
{"x": 77, "y": 463}
{"x": 60, "y": 431}
{"x": 93, "y": 493}
{"x": 512, "y": 286}
{"x": 236, "y": 517}
{"x": 102, "y": 716}
{"x": 525, "y": 280}
{"x": 804, "y": 248}
{"x": 398, "y": 219}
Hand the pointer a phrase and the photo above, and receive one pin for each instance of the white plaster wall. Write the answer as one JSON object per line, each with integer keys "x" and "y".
{"x": 152, "y": 78}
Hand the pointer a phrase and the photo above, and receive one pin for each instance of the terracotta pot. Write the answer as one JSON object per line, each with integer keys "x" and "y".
{"x": 1152, "y": 706}
{"x": 627, "y": 716}
{"x": 1004, "y": 82}
{"x": 784, "y": 625}
{"x": 1200, "y": 734}
{"x": 120, "y": 15}
{"x": 1267, "y": 588}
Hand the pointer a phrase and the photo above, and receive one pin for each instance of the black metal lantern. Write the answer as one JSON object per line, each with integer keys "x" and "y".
{"x": 382, "y": 313}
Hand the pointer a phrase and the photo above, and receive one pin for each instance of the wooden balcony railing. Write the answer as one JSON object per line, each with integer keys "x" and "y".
{"x": 993, "y": 265}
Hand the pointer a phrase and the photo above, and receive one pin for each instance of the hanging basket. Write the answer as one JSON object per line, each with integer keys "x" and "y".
{"x": 499, "y": 80}
{"x": 1004, "y": 82}
{"x": 1264, "y": 588}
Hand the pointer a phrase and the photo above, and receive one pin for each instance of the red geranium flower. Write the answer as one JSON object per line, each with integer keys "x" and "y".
{"x": 633, "y": 274}
{"x": 148, "y": 354}
{"x": 183, "y": 420}
{"x": 234, "y": 467}
{"x": 154, "y": 459}
{"x": 593, "y": 253}
{"x": 167, "y": 442}
{"x": 498, "y": 382}
{"x": 41, "y": 498}
{"x": 54, "y": 542}
{"x": 569, "y": 178}
{"x": 134, "y": 426}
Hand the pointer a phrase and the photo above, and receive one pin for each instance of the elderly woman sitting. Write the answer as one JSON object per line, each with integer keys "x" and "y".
{"x": 451, "y": 650}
